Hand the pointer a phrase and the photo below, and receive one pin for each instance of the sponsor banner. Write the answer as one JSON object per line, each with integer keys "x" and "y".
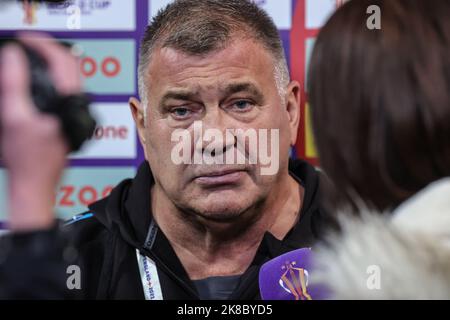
{"x": 72, "y": 15}
{"x": 82, "y": 186}
{"x": 114, "y": 136}
{"x": 79, "y": 187}
{"x": 108, "y": 66}
{"x": 318, "y": 11}
{"x": 279, "y": 10}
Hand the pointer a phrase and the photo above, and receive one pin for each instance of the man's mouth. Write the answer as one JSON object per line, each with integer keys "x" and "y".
{"x": 220, "y": 177}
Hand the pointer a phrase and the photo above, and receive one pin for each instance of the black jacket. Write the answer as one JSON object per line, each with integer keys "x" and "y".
{"x": 106, "y": 241}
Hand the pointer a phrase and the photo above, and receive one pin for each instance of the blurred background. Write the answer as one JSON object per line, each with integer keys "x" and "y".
{"x": 107, "y": 33}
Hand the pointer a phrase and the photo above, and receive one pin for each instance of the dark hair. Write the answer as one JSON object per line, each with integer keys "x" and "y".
{"x": 380, "y": 100}
{"x": 201, "y": 26}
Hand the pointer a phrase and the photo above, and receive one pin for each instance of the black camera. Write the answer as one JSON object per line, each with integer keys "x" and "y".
{"x": 72, "y": 110}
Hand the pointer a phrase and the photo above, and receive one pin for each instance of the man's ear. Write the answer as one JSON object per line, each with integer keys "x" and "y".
{"x": 137, "y": 110}
{"x": 292, "y": 100}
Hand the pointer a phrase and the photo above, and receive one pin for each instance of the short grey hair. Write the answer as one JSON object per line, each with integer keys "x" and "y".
{"x": 199, "y": 27}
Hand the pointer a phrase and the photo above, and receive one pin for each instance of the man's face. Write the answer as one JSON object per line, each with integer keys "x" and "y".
{"x": 232, "y": 88}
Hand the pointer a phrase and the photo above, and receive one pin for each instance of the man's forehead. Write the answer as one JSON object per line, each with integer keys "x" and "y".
{"x": 224, "y": 88}
{"x": 239, "y": 56}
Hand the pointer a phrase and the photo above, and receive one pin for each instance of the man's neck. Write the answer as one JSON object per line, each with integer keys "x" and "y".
{"x": 208, "y": 248}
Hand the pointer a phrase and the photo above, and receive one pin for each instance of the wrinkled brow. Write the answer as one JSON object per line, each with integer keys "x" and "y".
{"x": 227, "y": 91}
{"x": 243, "y": 87}
{"x": 178, "y": 95}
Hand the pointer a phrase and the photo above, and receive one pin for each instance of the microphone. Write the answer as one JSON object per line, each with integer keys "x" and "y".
{"x": 287, "y": 277}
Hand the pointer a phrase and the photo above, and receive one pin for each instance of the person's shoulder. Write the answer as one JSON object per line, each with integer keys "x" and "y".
{"x": 84, "y": 228}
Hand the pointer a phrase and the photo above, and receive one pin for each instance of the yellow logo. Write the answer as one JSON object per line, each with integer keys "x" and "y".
{"x": 295, "y": 281}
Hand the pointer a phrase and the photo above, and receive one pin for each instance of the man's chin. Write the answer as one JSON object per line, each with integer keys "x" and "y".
{"x": 221, "y": 211}
{"x": 223, "y": 205}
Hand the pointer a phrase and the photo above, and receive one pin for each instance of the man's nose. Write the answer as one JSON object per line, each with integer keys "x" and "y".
{"x": 218, "y": 148}
{"x": 215, "y": 138}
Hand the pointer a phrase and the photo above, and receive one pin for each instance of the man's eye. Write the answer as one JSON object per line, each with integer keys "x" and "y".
{"x": 242, "y": 105}
{"x": 181, "y": 112}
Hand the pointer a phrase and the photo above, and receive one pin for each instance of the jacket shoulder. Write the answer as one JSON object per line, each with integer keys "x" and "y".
{"x": 84, "y": 229}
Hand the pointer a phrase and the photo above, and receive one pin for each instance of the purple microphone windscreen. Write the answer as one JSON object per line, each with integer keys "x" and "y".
{"x": 287, "y": 277}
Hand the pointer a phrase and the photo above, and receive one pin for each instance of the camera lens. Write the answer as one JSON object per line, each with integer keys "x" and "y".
{"x": 72, "y": 110}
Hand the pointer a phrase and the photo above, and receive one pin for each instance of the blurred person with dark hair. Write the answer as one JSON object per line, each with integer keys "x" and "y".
{"x": 380, "y": 103}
